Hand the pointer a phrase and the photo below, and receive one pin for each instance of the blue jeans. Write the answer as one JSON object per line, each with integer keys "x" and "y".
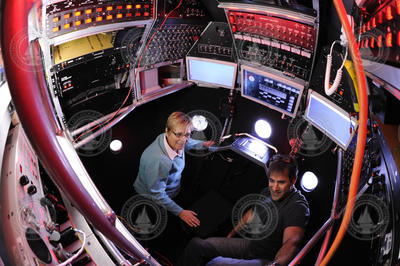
{"x": 200, "y": 251}
{"x": 222, "y": 261}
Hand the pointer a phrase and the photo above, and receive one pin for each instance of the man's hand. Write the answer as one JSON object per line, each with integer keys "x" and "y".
{"x": 208, "y": 143}
{"x": 231, "y": 234}
{"x": 190, "y": 218}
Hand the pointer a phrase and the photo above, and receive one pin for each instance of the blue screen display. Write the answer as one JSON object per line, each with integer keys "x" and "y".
{"x": 271, "y": 92}
{"x": 209, "y": 72}
{"x": 332, "y": 121}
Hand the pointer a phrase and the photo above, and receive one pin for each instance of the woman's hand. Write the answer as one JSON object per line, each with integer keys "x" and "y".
{"x": 190, "y": 218}
{"x": 208, "y": 143}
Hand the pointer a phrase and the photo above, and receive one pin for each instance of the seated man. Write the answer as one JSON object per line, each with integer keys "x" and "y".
{"x": 162, "y": 163}
{"x": 280, "y": 246}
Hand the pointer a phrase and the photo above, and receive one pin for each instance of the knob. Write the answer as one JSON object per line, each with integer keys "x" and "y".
{"x": 24, "y": 180}
{"x": 234, "y": 29}
{"x": 32, "y": 189}
{"x": 231, "y": 19}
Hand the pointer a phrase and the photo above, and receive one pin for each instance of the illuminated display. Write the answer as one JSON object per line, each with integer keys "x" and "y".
{"x": 330, "y": 119}
{"x": 63, "y": 18}
{"x": 379, "y": 37}
{"x": 253, "y": 149}
{"x": 272, "y": 91}
{"x": 211, "y": 72}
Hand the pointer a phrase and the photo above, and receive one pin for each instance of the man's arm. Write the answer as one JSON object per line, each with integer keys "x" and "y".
{"x": 292, "y": 237}
{"x": 247, "y": 217}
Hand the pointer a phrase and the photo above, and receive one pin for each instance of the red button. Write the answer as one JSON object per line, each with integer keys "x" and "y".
{"x": 389, "y": 39}
{"x": 234, "y": 29}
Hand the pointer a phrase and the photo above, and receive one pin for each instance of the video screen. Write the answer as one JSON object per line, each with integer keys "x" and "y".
{"x": 211, "y": 72}
{"x": 270, "y": 90}
{"x": 330, "y": 119}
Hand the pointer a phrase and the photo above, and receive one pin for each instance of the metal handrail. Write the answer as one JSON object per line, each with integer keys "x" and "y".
{"x": 327, "y": 227}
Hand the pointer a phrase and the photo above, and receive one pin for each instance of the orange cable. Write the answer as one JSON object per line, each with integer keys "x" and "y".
{"x": 362, "y": 130}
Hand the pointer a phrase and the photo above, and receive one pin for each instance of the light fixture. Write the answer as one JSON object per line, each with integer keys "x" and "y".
{"x": 199, "y": 122}
{"x": 263, "y": 129}
{"x": 309, "y": 181}
{"x": 116, "y": 146}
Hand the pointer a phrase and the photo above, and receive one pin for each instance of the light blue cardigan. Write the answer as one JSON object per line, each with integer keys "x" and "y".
{"x": 159, "y": 176}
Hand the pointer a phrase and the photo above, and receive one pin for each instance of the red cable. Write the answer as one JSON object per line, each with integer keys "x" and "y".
{"x": 130, "y": 89}
{"x": 362, "y": 130}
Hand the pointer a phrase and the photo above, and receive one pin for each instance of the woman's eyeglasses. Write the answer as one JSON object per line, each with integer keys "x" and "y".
{"x": 181, "y": 135}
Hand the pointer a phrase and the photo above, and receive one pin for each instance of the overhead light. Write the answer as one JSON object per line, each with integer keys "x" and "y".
{"x": 263, "y": 129}
{"x": 199, "y": 122}
{"x": 309, "y": 181}
{"x": 116, "y": 146}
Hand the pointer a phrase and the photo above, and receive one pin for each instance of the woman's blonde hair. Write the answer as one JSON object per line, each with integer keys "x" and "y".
{"x": 178, "y": 118}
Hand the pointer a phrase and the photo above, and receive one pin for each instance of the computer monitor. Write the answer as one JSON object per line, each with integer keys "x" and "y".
{"x": 330, "y": 119}
{"x": 211, "y": 72}
{"x": 268, "y": 89}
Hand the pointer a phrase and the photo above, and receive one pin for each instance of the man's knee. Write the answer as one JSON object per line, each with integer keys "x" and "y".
{"x": 196, "y": 243}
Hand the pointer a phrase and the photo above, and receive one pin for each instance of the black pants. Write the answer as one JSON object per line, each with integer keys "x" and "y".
{"x": 200, "y": 251}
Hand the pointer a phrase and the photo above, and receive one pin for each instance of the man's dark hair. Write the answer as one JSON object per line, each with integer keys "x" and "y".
{"x": 279, "y": 163}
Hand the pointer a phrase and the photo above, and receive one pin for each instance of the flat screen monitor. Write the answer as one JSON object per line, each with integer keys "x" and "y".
{"x": 271, "y": 90}
{"x": 210, "y": 72}
{"x": 330, "y": 119}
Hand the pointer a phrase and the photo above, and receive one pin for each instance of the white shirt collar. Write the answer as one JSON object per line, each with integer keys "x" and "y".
{"x": 171, "y": 153}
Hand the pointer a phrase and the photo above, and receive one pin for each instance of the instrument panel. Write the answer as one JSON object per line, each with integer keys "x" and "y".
{"x": 67, "y": 16}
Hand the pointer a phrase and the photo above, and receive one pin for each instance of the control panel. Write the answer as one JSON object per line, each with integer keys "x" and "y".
{"x": 187, "y": 9}
{"x": 67, "y": 16}
{"x": 171, "y": 42}
{"x": 279, "y": 29}
{"x": 344, "y": 96}
{"x": 274, "y": 38}
{"x": 27, "y": 222}
{"x": 253, "y": 149}
{"x": 215, "y": 43}
{"x": 379, "y": 38}
{"x": 34, "y": 218}
{"x": 107, "y": 69}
